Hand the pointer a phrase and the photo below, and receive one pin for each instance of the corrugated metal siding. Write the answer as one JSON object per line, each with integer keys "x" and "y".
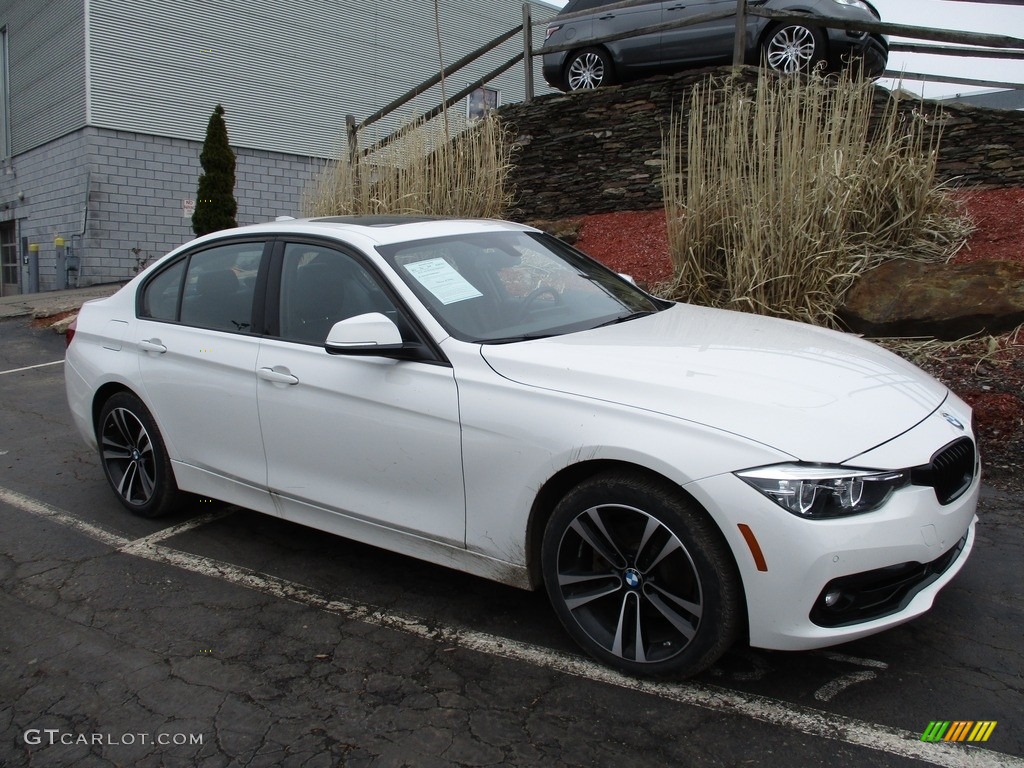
{"x": 46, "y": 65}
{"x": 287, "y": 73}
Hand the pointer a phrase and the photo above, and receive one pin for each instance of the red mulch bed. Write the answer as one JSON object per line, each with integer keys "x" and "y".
{"x": 997, "y": 214}
{"x": 636, "y": 243}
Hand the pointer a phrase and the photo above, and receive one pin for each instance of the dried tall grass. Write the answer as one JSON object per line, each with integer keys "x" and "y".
{"x": 425, "y": 171}
{"x": 788, "y": 193}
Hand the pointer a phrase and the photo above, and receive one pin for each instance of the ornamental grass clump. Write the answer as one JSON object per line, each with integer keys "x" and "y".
{"x": 778, "y": 196}
{"x": 423, "y": 172}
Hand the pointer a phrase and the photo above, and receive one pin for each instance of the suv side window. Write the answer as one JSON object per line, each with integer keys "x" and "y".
{"x": 584, "y": 5}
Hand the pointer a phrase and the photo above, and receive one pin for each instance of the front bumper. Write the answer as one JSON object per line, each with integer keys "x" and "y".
{"x": 857, "y": 48}
{"x": 883, "y": 568}
{"x": 805, "y": 558}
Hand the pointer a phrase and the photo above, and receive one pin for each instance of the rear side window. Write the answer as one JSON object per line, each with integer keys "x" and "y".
{"x": 213, "y": 288}
{"x": 584, "y": 5}
{"x": 160, "y": 296}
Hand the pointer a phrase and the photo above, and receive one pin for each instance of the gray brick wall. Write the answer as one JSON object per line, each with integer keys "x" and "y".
{"x": 137, "y": 188}
{"x": 44, "y": 191}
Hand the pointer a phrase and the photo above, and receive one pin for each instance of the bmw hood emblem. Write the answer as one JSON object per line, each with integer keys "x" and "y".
{"x": 953, "y": 420}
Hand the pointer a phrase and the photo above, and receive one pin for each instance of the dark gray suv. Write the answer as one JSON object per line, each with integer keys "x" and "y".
{"x": 785, "y": 46}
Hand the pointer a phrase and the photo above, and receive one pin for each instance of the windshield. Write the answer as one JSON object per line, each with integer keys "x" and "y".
{"x": 495, "y": 287}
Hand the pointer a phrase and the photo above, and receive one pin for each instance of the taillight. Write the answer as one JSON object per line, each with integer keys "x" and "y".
{"x": 551, "y": 30}
{"x": 69, "y": 334}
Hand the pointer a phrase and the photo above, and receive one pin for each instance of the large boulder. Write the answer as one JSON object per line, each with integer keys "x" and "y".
{"x": 943, "y": 301}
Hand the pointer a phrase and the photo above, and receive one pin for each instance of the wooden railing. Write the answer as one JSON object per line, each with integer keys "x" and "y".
{"x": 969, "y": 44}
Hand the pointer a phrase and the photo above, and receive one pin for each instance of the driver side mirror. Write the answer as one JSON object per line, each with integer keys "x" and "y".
{"x": 371, "y": 334}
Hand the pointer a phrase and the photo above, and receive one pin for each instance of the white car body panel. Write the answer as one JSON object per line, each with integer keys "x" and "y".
{"x": 386, "y": 432}
{"x": 508, "y": 460}
{"x": 760, "y": 378}
{"x": 203, "y": 386}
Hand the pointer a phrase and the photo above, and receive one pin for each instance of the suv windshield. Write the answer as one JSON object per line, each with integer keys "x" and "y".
{"x": 496, "y": 287}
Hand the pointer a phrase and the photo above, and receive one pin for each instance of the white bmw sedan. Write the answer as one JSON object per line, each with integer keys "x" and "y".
{"x": 480, "y": 395}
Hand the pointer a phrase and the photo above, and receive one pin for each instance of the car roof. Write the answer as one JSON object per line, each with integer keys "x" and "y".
{"x": 381, "y": 229}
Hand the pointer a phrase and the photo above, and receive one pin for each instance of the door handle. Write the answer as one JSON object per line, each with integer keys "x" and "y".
{"x": 152, "y": 345}
{"x": 606, "y": 17}
{"x": 277, "y": 377}
{"x": 676, "y": 8}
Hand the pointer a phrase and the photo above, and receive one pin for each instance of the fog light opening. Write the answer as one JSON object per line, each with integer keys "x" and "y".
{"x": 832, "y": 598}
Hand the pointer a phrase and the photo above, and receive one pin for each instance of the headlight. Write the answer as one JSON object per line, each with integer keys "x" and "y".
{"x": 821, "y": 492}
{"x": 856, "y": 4}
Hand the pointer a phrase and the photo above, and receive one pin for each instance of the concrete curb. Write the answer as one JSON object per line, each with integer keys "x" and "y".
{"x": 51, "y": 303}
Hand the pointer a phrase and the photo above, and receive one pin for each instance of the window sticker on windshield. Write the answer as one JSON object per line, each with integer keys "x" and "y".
{"x": 440, "y": 278}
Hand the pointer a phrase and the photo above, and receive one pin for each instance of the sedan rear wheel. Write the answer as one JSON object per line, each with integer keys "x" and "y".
{"x": 640, "y": 577}
{"x": 589, "y": 68}
{"x": 134, "y": 458}
{"x": 793, "y": 48}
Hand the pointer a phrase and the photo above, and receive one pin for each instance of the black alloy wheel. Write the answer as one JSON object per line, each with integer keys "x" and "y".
{"x": 134, "y": 457}
{"x": 640, "y": 577}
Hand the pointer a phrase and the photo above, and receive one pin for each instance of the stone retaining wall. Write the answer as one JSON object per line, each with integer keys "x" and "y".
{"x": 600, "y": 151}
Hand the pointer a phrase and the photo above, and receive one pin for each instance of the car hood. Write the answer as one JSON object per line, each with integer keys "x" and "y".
{"x": 815, "y": 394}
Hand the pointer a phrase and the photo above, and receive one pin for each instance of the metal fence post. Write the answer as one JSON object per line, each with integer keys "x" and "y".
{"x": 528, "y": 51}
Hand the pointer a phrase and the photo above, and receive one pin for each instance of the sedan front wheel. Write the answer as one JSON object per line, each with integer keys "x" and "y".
{"x": 134, "y": 457}
{"x": 640, "y": 577}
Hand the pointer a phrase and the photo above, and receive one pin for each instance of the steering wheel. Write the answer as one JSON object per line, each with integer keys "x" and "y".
{"x": 532, "y": 296}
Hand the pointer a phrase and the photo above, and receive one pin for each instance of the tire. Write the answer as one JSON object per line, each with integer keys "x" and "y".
{"x": 134, "y": 457}
{"x": 640, "y": 577}
{"x": 791, "y": 48}
{"x": 587, "y": 69}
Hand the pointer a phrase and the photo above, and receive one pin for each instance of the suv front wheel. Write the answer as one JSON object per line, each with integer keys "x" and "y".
{"x": 793, "y": 48}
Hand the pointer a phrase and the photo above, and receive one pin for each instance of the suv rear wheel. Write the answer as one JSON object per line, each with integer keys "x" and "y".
{"x": 589, "y": 68}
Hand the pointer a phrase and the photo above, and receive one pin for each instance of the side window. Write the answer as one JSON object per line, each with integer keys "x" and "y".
{"x": 319, "y": 287}
{"x": 219, "y": 287}
{"x": 585, "y": 5}
{"x": 160, "y": 297}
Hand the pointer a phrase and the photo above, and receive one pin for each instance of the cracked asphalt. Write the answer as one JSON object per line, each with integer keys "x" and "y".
{"x": 221, "y": 637}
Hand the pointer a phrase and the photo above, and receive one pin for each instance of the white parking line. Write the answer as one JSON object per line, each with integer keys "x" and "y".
{"x": 857, "y": 660}
{"x": 30, "y": 367}
{"x": 42, "y": 509}
{"x": 806, "y": 720}
{"x": 831, "y": 689}
{"x": 147, "y": 542}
